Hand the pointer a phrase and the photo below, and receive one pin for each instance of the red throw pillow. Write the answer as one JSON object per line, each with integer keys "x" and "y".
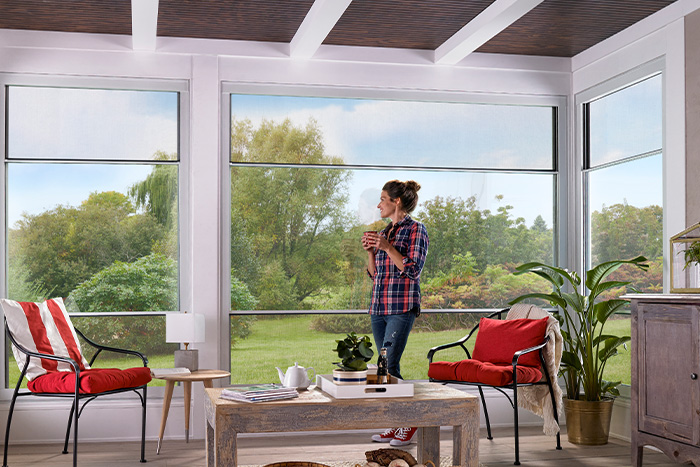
{"x": 497, "y": 340}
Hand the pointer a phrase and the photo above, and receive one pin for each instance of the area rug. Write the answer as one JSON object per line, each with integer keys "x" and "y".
{"x": 445, "y": 461}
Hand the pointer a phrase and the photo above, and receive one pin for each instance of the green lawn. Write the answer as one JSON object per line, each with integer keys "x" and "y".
{"x": 282, "y": 341}
{"x": 619, "y": 367}
{"x": 279, "y": 342}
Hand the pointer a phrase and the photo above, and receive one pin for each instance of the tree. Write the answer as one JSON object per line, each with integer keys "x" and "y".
{"x": 292, "y": 218}
{"x": 158, "y": 193}
{"x": 457, "y": 227}
{"x": 241, "y": 299}
{"x": 147, "y": 284}
{"x": 624, "y": 231}
{"x": 64, "y": 246}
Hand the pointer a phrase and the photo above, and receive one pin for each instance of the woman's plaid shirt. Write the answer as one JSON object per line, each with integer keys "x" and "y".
{"x": 394, "y": 291}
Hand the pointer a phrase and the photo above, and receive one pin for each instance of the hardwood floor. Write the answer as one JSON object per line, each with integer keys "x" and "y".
{"x": 535, "y": 450}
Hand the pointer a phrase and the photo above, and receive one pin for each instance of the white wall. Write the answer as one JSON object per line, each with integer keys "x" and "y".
{"x": 205, "y": 65}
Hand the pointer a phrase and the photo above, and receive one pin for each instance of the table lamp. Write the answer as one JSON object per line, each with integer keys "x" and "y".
{"x": 185, "y": 328}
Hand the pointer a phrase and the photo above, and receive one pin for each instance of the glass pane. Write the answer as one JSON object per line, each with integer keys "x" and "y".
{"x": 309, "y": 340}
{"x": 315, "y": 130}
{"x": 104, "y": 235}
{"x": 627, "y": 122}
{"x": 126, "y": 332}
{"x": 625, "y": 221}
{"x": 295, "y": 236}
{"x": 94, "y": 124}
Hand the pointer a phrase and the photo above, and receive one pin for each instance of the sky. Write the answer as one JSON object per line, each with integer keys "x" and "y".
{"x": 47, "y": 123}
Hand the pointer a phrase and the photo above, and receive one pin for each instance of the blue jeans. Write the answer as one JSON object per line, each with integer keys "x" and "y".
{"x": 391, "y": 331}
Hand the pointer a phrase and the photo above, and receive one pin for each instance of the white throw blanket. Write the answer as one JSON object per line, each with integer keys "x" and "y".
{"x": 536, "y": 399}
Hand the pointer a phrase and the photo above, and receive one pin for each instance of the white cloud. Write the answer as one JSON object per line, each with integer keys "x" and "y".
{"x": 94, "y": 124}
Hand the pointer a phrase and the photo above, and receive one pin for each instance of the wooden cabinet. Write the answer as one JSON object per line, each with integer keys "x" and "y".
{"x": 665, "y": 409}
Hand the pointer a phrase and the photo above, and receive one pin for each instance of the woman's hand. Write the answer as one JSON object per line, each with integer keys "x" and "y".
{"x": 368, "y": 241}
{"x": 374, "y": 240}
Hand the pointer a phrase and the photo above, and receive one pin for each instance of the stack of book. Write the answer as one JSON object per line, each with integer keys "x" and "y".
{"x": 259, "y": 393}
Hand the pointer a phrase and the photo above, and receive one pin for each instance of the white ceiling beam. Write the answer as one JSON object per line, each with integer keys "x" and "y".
{"x": 144, "y": 24}
{"x": 494, "y": 19}
{"x": 318, "y": 23}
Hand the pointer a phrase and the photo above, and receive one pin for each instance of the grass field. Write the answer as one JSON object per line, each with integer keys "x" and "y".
{"x": 282, "y": 341}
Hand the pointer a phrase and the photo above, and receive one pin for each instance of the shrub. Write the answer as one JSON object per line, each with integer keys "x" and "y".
{"x": 342, "y": 324}
{"x": 147, "y": 284}
{"x": 241, "y": 299}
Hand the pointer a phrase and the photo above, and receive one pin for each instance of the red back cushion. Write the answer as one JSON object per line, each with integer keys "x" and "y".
{"x": 497, "y": 340}
{"x": 44, "y": 328}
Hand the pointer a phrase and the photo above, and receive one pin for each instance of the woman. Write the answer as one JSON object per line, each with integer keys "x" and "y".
{"x": 395, "y": 258}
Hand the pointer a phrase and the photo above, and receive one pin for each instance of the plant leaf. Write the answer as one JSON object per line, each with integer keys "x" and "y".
{"x": 610, "y": 387}
{"x": 603, "y": 310}
{"x": 603, "y": 286}
{"x": 365, "y": 350}
{"x": 600, "y": 272}
{"x": 571, "y": 360}
{"x": 611, "y": 345}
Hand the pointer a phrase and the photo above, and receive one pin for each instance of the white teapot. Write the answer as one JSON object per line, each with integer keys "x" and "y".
{"x": 296, "y": 376}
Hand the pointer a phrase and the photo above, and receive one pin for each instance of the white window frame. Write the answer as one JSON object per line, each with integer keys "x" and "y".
{"x": 560, "y": 163}
{"x": 184, "y": 230}
{"x": 624, "y": 80}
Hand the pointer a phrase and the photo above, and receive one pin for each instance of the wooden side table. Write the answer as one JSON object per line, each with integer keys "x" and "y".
{"x": 205, "y": 376}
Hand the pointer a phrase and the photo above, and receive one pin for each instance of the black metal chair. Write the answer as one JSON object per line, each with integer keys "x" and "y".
{"x": 77, "y": 396}
{"x": 501, "y": 388}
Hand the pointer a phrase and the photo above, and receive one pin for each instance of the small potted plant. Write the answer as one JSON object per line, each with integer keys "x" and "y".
{"x": 354, "y": 353}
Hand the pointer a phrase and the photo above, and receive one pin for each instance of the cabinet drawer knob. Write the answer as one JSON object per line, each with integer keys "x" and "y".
{"x": 693, "y": 376}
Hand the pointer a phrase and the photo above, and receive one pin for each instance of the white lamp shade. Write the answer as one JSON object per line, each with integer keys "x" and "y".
{"x": 184, "y": 327}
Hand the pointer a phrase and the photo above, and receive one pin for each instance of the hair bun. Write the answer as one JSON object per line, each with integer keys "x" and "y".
{"x": 412, "y": 185}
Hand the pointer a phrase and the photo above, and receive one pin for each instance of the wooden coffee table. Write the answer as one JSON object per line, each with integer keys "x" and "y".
{"x": 431, "y": 406}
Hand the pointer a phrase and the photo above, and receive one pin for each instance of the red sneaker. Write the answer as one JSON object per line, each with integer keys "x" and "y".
{"x": 385, "y": 437}
{"x": 403, "y": 436}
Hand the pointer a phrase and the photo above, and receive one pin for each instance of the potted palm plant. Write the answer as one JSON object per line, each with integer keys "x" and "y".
{"x": 354, "y": 353}
{"x": 587, "y": 349}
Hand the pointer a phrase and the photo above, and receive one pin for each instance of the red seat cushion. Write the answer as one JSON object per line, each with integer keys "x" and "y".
{"x": 497, "y": 340}
{"x": 92, "y": 381}
{"x": 474, "y": 371}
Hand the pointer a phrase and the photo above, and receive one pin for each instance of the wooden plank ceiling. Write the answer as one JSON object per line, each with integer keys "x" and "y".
{"x": 558, "y": 28}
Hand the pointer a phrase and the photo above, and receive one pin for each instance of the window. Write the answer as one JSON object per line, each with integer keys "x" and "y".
{"x": 623, "y": 193}
{"x": 92, "y": 209}
{"x": 306, "y": 174}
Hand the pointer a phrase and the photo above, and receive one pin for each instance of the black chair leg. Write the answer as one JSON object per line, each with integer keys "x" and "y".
{"x": 486, "y": 414}
{"x": 76, "y": 414}
{"x": 143, "y": 426}
{"x": 70, "y": 423}
{"x": 515, "y": 420}
{"x": 556, "y": 416}
{"x": 9, "y": 418}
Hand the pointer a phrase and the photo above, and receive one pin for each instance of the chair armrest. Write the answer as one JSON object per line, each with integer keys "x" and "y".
{"x": 101, "y": 347}
{"x": 519, "y": 353}
{"x": 464, "y": 339}
{"x": 459, "y": 343}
